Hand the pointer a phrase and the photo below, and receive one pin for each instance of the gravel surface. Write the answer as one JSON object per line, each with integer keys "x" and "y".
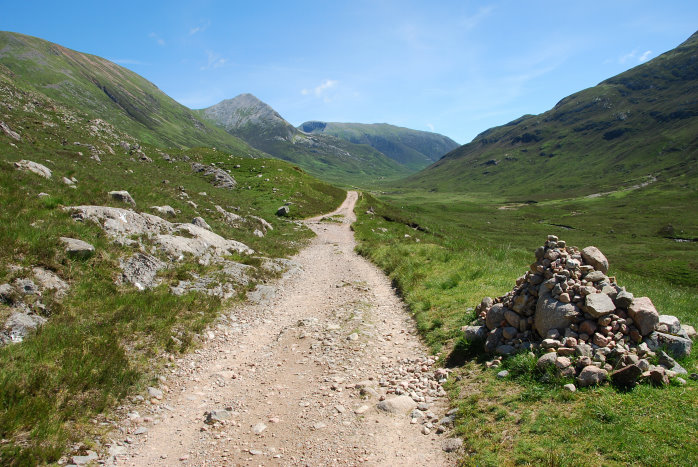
{"x": 296, "y": 379}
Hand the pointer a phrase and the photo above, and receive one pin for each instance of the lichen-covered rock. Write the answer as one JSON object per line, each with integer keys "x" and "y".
{"x": 77, "y": 248}
{"x": 141, "y": 270}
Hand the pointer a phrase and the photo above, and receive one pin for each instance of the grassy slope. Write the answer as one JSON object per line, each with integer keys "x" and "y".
{"x": 105, "y": 341}
{"x": 642, "y": 122}
{"x": 108, "y": 91}
{"x": 463, "y": 248}
{"x": 411, "y": 148}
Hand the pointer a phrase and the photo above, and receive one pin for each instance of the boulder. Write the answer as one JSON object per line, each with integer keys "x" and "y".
{"x": 33, "y": 167}
{"x": 122, "y": 196}
{"x": 598, "y": 305}
{"x": 283, "y": 211}
{"x": 199, "y": 221}
{"x": 475, "y": 333}
{"x": 596, "y": 276}
{"x": 220, "y": 178}
{"x": 546, "y": 361}
{"x": 594, "y": 257}
{"x": 672, "y": 323}
{"x": 644, "y": 314}
{"x": 678, "y": 346}
{"x": 591, "y": 375}
{"x": 551, "y": 313}
{"x": 658, "y": 376}
{"x": 397, "y": 405}
{"x": 623, "y": 299}
{"x": 165, "y": 210}
{"x": 626, "y": 377}
{"x": 231, "y": 218}
{"x": 141, "y": 270}
{"x": 77, "y": 248}
{"x": 495, "y": 316}
{"x": 512, "y": 318}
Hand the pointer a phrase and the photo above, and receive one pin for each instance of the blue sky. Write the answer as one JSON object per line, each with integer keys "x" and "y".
{"x": 454, "y": 67}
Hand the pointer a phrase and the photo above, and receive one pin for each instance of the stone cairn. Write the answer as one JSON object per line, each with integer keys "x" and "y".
{"x": 588, "y": 326}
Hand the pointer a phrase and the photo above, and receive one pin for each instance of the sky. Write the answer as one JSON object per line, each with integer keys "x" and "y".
{"x": 452, "y": 67}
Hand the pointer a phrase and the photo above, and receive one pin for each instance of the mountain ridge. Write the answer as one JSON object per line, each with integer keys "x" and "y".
{"x": 638, "y": 124}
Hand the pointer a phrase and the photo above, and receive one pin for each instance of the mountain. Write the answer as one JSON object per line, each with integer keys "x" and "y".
{"x": 411, "y": 148}
{"x": 631, "y": 129}
{"x": 325, "y": 156}
{"x": 108, "y": 91}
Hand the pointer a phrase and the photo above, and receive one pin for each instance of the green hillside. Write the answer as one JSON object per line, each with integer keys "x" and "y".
{"x": 332, "y": 159}
{"x": 411, "y": 148}
{"x": 627, "y": 131}
{"x": 108, "y": 91}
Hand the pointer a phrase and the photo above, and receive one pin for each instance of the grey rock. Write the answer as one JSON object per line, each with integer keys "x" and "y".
{"x": 200, "y": 222}
{"x": 678, "y": 346}
{"x": 570, "y": 387}
{"x": 49, "y": 280}
{"x": 644, "y": 314}
{"x": 217, "y": 416}
{"x": 505, "y": 349}
{"x": 495, "y": 316}
{"x": 258, "y": 428}
{"x": 9, "y": 132}
{"x": 262, "y": 294}
{"x": 591, "y": 376}
{"x": 230, "y": 218}
{"x": 493, "y": 340}
{"x": 671, "y": 322}
{"x": 670, "y": 364}
{"x": 623, "y": 299}
{"x": 551, "y": 313}
{"x": 220, "y": 178}
{"x": 141, "y": 270}
{"x": 154, "y": 392}
{"x": 689, "y": 330}
{"x": 583, "y": 350}
{"x": 7, "y": 293}
{"x": 265, "y": 226}
{"x": 598, "y": 304}
{"x": 26, "y": 286}
{"x": 77, "y": 248}
{"x": 596, "y": 276}
{"x": 594, "y": 257}
{"x": 123, "y": 196}
{"x": 397, "y": 405}
{"x": 658, "y": 376}
{"x": 451, "y": 444}
{"x": 33, "y": 167}
{"x": 547, "y": 360}
{"x": 512, "y": 318}
{"x": 20, "y": 325}
{"x": 503, "y": 374}
{"x": 283, "y": 211}
{"x": 475, "y": 333}
{"x": 165, "y": 210}
{"x": 140, "y": 431}
{"x": 83, "y": 460}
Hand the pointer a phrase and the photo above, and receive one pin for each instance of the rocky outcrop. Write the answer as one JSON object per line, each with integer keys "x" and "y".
{"x": 33, "y": 167}
{"x": 141, "y": 270}
{"x": 220, "y": 177}
{"x": 77, "y": 248}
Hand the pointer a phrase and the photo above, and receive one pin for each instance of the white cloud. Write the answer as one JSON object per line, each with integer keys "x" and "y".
{"x": 430, "y": 126}
{"x": 323, "y": 90}
{"x": 634, "y": 57}
{"x": 213, "y": 61}
{"x": 200, "y": 28}
{"x": 160, "y": 41}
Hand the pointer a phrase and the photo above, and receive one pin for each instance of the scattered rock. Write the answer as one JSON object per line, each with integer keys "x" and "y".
{"x": 20, "y": 325}
{"x": 141, "y": 270}
{"x": 122, "y": 196}
{"x": 283, "y": 211}
{"x": 452, "y": 444}
{"x": 258, "y": 428}
{"x": 570, "y": 387}
{"x": 9, "y": 132}
{"x": 220, "y": 178}
{"x": 626, "y": 377}
{"x": 591, "y": 375}
{"x": 397, "y": 405}
{"x": 86, "y": 459}
{"x": 217, "y": 416}
{"x": 165, "y": 210}
{"x": 678, "y": 346}
{"x": 200, "y": 222}
{"x": 33, "y": 167}
{"x": 77, "y": 248}
{"x": 49, "y": 280}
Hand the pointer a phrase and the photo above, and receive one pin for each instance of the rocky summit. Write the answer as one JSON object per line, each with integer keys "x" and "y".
{"x": 586, "y": 323}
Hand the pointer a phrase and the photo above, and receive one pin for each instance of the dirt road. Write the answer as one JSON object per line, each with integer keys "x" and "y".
{"x": 295, "y": 379}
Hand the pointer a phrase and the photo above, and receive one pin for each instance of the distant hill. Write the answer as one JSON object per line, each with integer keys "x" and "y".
{"x": 325, "y": 156}
{"x": 411, "y": 148}
{"x": 106, "y": 90}
{"x": 626, "y": 131}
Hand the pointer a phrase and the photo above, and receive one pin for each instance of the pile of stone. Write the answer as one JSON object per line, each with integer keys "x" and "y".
{"x": 567, "y": 306}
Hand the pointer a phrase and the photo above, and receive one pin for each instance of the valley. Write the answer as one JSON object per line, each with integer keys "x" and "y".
{"x": 239, "y": 307}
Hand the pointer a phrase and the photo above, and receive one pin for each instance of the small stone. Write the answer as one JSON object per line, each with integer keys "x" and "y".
{"x": 502, "y": 374}
{"x": 154, "y": 392}
{"x": 562, "y": 362}
{"x": 141, "y": 431}
{"x": 451, "y": 444}
{"x": 658, "y": 376}
{"x": 361, "y": 410}
{"x": 545, "y": 361}
{"x": 570, "y": 387}
{"x": 623, "y": 299}
{"x": 200, "y": 222}
{"x": 591, "y": 375}
{"x": 398, "y": 404}
{"x": 425, "y": 430}
{"x": 283, "y": 211}
{"x": 258, "y": 428}
{"x": 123, "y": 196}
{"x": 77, "y": 248}
{"x": 353, "y": 337}
{"x": 598, "y": 304}
{"x": 594, "y": 257}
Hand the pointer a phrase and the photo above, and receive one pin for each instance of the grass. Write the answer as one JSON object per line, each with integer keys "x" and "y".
{"x": 104, "y": 341}
{"x": 445, "y": 252}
